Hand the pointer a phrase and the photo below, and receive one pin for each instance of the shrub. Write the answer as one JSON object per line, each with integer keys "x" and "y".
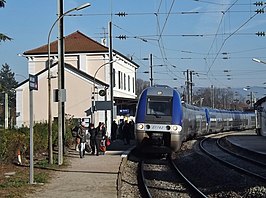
{"x": 19, "y": 139}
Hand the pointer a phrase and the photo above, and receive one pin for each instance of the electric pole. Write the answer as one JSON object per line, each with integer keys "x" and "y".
{"x": 187, "y": 84}
{"x": 191, "y": 87}
{"x": 111, "y": 73}
{"x": 151, "y": 79}
{"x": 61, "y": 113}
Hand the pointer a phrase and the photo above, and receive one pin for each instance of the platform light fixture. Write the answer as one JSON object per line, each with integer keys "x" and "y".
{"x": 258, "y": 60}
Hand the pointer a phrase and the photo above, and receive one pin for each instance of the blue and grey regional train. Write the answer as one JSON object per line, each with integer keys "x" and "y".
{"x": 164, "y": 121}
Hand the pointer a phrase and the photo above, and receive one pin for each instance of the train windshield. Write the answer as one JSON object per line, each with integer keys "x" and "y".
{"x": 159, "y": 106}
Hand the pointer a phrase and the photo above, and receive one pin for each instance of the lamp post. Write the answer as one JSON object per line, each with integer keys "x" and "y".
{"x": 5, "y": 91}
{"x": 49, "y": 81}
{"x": 251, "y": 95}
{"x": 25, "y": 78}
{"x": 258, "y": 60}
{"x": 94, "y": 77}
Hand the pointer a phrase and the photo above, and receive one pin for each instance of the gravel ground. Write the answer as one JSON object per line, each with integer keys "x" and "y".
{"x": 213, "y": 178}
{"x": 130, "y": 181}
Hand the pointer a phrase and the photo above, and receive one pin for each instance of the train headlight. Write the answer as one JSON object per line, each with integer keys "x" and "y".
{"x": 175, "y": 128}
{"x": 168, "y": 128}
{"x": 140, "y": 126}
{"x": 160, "y": 93}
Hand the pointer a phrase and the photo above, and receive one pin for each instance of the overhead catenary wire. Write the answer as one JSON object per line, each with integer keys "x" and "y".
{"x": 233, "y": 33}
{"x": 159, "y": 40}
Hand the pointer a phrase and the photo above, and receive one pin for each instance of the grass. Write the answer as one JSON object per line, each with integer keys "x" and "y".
{"x": 18, "y": 185}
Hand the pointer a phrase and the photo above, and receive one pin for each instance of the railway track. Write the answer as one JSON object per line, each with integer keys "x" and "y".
{"x": 212, "y": 177}
{"x": 212, "y": 147}
{"x": 240, "y": 153}
{"x": 162, "y": 178}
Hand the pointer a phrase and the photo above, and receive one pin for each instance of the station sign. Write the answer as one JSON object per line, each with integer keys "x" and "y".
{"x": 124, "y": 111}
{"x": 33, "y": 82}
{"x": 103, "y": 105}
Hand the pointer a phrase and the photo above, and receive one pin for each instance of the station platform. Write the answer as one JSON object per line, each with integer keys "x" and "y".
{"x": 91, "y": 176}
{"x": 252, "y": 143}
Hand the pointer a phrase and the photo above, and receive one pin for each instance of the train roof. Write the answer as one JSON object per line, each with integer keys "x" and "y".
{"x": 227, "y": 111}
{"x": 159, "y": 91}
{"x": 165, "y": 86}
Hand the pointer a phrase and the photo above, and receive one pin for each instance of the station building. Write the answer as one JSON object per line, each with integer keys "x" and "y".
{"x": 86, "y": 72}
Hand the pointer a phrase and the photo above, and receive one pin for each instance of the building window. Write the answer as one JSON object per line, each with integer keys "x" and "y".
{"x": 119, "y": 79}
{"x": 128, "y": 85}
{"x": 133, "y": 85}
{"x": 114, "y": 78}
{"x": 125, "y": 81}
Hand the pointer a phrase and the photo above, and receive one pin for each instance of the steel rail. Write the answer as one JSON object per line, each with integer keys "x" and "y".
{"x": 218, "y": 142}
{"x": 228, "y": 163}
{"x": 143, "y": 181}
{"x": 195, "y": 189}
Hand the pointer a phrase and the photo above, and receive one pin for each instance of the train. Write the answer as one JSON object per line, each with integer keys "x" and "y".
{"x": 163, "y": 121}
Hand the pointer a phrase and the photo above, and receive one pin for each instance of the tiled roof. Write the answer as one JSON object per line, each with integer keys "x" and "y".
{"x": 76, "y": 42}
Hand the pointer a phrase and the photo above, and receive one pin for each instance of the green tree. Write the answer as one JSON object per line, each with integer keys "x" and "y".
{"x": 3, "y": 37}
{"x": 2, "y": 3}
{"x": 8, "y": 84}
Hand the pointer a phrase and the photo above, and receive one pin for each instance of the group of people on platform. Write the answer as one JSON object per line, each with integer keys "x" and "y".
{"x": 124, "y": 131}
{"x": 94, "y": 139}
{"x": 91, "y": 139}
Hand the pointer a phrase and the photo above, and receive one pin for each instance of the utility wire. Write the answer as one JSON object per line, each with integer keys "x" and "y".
{"x": 229, "y": 37}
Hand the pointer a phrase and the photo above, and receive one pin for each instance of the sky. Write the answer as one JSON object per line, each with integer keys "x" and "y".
{"x": 216, "y": 39}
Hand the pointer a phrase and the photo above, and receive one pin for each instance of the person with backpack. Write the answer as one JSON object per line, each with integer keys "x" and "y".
{"x": 82, "y": 136}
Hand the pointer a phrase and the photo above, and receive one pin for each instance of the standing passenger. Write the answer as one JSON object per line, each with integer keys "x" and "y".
{"x": 120, "y": 130}
{"x": 82, "y": 137}
{"x": 100, "y": 134}
{"x": 77, "y": 140}
{"x": 92, "y": 132}
{"x": 132, "y": 129}
{"x": 113, "y": 131}
{"x": 126, "y": 133}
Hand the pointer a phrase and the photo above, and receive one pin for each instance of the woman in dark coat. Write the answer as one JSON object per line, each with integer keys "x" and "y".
{"x": 100, "y": 135}
{"x": 92, "y": 132}
{"x": 126, "y": 133}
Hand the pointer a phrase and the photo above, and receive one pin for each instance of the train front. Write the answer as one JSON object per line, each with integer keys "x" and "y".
{"x": 159, "y": 120}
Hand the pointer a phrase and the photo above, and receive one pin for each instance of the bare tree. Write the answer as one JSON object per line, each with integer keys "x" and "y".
{"x": 141, "y": 85}
{"x": 220, "y": 98}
